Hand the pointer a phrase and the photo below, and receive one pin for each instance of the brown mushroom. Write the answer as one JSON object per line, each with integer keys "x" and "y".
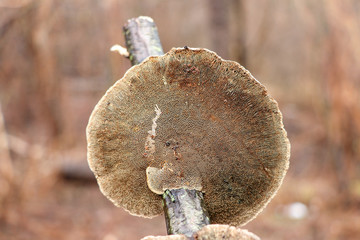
{"x": 212, "y": 232}
{"x": 189, "y": 119}
{"x": 168, "y": 237}
{"x": 219, "y": 232}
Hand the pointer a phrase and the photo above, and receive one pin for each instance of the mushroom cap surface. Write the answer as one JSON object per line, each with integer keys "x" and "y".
{"x": 192, "y": 120}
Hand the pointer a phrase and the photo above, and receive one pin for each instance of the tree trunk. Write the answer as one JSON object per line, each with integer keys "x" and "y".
{"x": 238, "y": 34}
{"x": 219, "y": 22}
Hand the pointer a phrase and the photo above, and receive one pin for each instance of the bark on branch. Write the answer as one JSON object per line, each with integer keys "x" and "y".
{"x": 184, "y": 211}
{"x": 142, "y": 39}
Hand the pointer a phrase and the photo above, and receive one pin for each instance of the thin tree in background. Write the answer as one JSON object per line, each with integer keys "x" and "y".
{"x": 219, "y": 26}
{"x": 238, "y": 50}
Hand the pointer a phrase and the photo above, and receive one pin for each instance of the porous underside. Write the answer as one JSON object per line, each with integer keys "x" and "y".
{"x": 198, "y": 117}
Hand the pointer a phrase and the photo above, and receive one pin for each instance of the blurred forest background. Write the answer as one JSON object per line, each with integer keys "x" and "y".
{"x": 55, "y": 64}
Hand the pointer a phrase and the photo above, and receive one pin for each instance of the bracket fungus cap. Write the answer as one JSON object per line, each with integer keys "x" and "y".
{"x": 189, "y": 119}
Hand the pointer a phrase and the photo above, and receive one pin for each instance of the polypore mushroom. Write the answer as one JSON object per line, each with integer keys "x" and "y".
{"x": 212, "y": 232}
{"x": 189, "y": 119}
{"x": 218, "y": 232}
{"x": 168, "y": 237}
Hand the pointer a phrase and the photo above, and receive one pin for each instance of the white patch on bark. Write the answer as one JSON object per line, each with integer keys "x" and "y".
{"x": 150, "y": 139}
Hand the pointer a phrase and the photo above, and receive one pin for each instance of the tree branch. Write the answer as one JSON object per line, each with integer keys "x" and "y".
{"x": 184, "y": 209}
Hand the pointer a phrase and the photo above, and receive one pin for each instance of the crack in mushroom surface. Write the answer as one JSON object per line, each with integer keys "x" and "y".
{"x": 150, "y": 139}
{"x": 217, "y": 130}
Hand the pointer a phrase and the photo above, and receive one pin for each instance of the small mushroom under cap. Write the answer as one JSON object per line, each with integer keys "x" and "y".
{"x": 168, "y": 237}
{"x": 219, "y": 232}
{"x": 212, "y": 232}
{"x": 189, "y": 119}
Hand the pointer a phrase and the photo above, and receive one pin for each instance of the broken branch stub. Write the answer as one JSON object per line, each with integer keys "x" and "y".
{"x": 142, "y": 39}
{"x": 191, "y": 120}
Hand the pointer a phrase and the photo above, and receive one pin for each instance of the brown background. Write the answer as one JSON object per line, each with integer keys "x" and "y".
{"x": 55, "y": 64}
